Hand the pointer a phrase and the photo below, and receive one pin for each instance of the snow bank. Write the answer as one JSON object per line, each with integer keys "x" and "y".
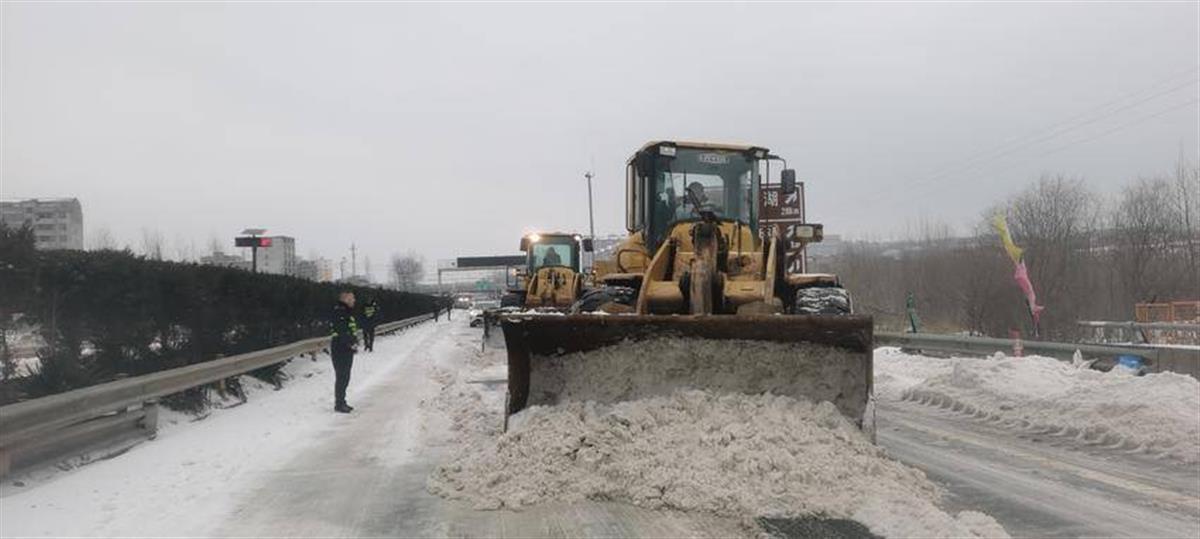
{"x": 734, "y": 455}
{"x": 1157, "y": 413}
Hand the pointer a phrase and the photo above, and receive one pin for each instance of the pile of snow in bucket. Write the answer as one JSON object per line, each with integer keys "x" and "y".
{"x": 1158, "y": 413}
{"x": 656, "y": 367}
{"x": 735, "y": 455}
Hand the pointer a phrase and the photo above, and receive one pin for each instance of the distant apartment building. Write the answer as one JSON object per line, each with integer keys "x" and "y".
{"x": 324, "y": 270}
{"x": 280, "y": 257}
{"x": 57, "y": 222}
{"x": 317, "y": 269}
{"x": 306, "y": 269}
{"x": 224, "y": 260}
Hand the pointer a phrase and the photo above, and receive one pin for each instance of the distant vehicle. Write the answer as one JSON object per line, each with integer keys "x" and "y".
{"x": 482, "y": 309}
{"x": 553, "y": 277}
{"x": 479, "y": 308}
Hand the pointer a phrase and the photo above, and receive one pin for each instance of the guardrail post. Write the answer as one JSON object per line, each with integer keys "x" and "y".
{"x": 150, "y": 421}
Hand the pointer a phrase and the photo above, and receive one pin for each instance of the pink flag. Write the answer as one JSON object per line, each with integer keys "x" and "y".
{"x": 1021, "y": 275}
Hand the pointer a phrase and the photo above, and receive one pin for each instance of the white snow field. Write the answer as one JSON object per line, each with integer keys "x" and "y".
{"x": 728, "y": 454}
{"x": 738, "y": 456}
{"x": 1157, "y": 413}
{"x": 283, "y": 464}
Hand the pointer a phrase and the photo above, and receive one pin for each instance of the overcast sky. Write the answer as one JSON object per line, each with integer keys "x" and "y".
{"x": 450, "y": 130}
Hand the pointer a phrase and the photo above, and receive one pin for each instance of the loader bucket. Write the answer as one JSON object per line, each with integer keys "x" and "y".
{"x": 555, "y": 358}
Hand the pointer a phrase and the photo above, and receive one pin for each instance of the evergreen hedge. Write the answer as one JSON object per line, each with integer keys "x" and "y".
{"x": 110, "y": 314}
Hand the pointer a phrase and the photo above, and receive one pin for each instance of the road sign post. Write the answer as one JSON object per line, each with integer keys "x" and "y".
{"x": 253, "y": 240}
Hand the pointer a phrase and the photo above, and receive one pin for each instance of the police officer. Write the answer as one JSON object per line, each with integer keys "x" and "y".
{"x": 370, "y": 319}
{"x": 342, "y": 348}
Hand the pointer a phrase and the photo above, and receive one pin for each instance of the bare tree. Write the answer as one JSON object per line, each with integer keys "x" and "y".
{"x": 102, "y": 239}
{"x": 154, "y": 246}
{"x": 1187, "y": 209}
{"x": 1144, "y": 224}
{"x": 407, "y": 270}
{"x": 1055, "y": 221}
{"x": 215, "y": 246}
{"x": 185, "y": 249}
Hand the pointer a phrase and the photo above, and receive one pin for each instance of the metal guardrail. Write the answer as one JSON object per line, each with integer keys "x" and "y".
{"x": 39, "y": 422}
{"x": 1156, "y": 358}
{"x": 1186, "y": 333}
{"x": 1162, "y": 326}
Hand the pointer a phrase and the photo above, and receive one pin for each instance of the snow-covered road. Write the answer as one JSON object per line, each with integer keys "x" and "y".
{"x": 1039, "y": 486}
{"x": 193, "y": 476}
{"x": 284, "y": 465}
{"x": 1048, "y": 448}
{"x": 366, "y": 476}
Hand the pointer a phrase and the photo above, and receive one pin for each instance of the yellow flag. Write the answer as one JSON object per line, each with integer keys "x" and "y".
{"x": 1001, "y": 227}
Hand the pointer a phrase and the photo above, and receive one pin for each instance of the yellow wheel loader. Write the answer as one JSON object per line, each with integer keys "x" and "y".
{"x": 553, "y": 277}
{"x": 707, "y": 292}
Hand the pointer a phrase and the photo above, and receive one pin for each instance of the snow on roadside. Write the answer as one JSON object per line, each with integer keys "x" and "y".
{"x": 1158, "y": 413}
{"x": 734, "y": 455}
{"x": 176, "y": 484}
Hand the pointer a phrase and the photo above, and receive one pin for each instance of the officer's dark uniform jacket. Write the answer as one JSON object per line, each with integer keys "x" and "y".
{"x": 345, "y": 330}
{"x": 369, "y": 312}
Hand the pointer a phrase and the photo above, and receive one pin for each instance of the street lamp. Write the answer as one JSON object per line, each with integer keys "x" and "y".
{"x": 591, "y": 215}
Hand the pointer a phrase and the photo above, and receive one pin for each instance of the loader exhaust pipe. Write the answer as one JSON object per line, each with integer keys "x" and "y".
{"x": 553, "y": 358}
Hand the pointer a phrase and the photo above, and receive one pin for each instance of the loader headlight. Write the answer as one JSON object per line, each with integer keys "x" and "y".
{"x": 668, "y": 151}
{"x": 534, "y": 238}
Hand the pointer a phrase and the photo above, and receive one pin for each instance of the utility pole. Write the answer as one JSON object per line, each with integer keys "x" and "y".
{"x": 353, "y": 260}
{"x": 591, "y": 214}
{"x": 342, "y": 269}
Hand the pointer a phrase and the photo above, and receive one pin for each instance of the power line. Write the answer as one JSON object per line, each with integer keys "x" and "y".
{"x": 1102, "y": 134}
{"x": 1073, "y": 123}
{"x": 1067, "y": 128}
{"x": 1076, "y": 122}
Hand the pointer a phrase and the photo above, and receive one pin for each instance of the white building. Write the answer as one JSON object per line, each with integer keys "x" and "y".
{"x": 224, "y": 260}
{"x": 318, "y": 269}
{"x": 57, "y": 222}
{"x": 280, "y": 257}
{"x": 324, "y": 270}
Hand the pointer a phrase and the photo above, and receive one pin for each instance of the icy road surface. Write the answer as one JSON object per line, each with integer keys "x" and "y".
{"x": 1047, "y": 448}
{"x": 284, "y": 465}
{"x": 1037, "y": 486}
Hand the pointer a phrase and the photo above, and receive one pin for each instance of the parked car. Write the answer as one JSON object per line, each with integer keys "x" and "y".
{"x": 477, "y": 310}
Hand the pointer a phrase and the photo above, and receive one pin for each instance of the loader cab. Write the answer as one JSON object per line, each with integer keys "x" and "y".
{"x": 669, "y": 183}
{"x": 557, "y": 250}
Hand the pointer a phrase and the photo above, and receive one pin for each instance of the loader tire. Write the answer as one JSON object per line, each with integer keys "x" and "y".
{"x": 822, "y": 300}
{"x": 594, "y": 298}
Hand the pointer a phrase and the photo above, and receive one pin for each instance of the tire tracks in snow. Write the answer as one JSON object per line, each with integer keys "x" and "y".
{"x": 1037, "y": 489}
